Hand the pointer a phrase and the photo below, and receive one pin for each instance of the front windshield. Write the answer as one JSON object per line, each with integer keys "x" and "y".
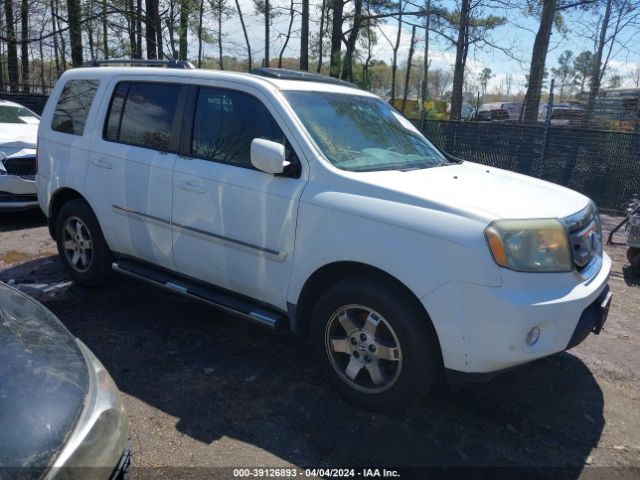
{"x": 364, "y": 134}
{"x": 11, "y": 114}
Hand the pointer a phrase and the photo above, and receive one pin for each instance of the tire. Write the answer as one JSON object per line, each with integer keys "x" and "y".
{"x": 632, "y": 252}
{"x": 635, "y": 265}
{"x": 385, "y": 371}
{"x": 81, "y": 245}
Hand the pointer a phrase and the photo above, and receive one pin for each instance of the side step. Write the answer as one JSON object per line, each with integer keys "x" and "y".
{"x": 209, "y": 295}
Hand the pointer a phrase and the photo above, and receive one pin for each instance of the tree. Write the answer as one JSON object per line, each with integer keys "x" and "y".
{"x": 618, "y": 15}
{"x": 246, "y": 35}
{"x": 615, "y": 81}
{"x": 220, "y": 10}
{"x": 550, "y": 13}
{"x": 483, "y": 77}
{"x": 472, "y": 29}
{"x": 151, "y": 7}
{"x": 288, "y": 34}
{"x": 24, "y": 44}
{"x": 538, "y": 59}
{"x": 582, "y": 68}
{"x": 564, "y": 71}
{"x": 304, "y": 36}
{"x": 12, "y": 49}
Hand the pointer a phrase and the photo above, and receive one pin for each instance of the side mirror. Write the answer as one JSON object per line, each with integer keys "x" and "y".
{"x": 268, "y": 156}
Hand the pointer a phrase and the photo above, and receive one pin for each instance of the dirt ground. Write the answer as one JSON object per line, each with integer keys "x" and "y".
{"x": 204, "y": 389}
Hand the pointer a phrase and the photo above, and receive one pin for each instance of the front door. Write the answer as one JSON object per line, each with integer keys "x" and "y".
{"x": 233, "y": 226}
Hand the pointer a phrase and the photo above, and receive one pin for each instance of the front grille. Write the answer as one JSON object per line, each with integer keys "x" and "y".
{"x": 22, "y": 167}
{"x": 585, "y": 236}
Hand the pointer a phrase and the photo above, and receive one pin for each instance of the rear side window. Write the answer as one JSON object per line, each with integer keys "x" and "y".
{"x": 73, "y": 106}
{"x": 142, "y": 114}
{"x": 226, "y": 122}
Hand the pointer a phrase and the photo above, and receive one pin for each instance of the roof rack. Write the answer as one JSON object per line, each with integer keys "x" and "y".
{"x": 179, "y": 64}
{"x": 286, "y": 74}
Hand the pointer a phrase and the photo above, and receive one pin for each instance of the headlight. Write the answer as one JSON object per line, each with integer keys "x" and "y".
{"x": 530, "y": 245}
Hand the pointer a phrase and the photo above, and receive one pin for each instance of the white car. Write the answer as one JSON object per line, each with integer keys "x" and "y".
{"x": 18, "y": 136}
{"x": 299, "y": 202}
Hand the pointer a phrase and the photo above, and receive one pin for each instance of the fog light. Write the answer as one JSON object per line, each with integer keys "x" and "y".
{"x": 533, "y": 336}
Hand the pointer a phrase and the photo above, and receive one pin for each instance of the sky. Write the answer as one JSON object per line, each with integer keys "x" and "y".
{"x": 516, "y": 37}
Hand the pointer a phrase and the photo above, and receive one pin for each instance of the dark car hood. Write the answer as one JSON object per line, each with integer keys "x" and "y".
{"x": 43, "y": 382}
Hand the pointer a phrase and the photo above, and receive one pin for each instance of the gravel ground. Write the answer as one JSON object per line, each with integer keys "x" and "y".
{"x": 204, "y": 389}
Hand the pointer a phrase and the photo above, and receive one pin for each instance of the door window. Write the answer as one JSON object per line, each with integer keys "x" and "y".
{"x": 226, "y": 122}
{"x": 142, "y": 114}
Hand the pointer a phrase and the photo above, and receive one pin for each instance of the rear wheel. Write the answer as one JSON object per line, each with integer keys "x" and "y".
{"x": 81, "y": 245}
{"x": 375, "y": 345}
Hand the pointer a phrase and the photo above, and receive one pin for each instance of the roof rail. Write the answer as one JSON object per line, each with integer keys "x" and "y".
{"x": 287, "y": 74}
{"x": 180, "y": 64}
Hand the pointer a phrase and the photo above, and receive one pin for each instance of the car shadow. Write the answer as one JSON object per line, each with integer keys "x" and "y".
{"x": 21, "y": 220}
{"x": 221, "y": 377}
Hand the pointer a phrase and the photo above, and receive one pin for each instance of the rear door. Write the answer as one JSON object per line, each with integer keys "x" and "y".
{"x": 234, "y": 226}
{"x": 131, "y": 166}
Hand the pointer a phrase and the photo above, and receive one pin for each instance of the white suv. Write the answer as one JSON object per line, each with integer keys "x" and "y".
{"x": 300, "y": 202}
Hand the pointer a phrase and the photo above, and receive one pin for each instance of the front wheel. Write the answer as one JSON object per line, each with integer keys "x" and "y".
{"x": 375, "y": 345}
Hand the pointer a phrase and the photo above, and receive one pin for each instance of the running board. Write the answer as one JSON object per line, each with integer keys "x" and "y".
{"x": 209, "y": 295}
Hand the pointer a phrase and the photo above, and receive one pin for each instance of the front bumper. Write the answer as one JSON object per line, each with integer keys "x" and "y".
{"x": 482, "y": 330}
{"x": 17, "y": 193}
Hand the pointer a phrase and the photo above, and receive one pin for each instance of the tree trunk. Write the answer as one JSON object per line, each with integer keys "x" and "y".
{"x": 288, "y": 36}
{"x": 24, "y": 44}
{"x": 347, "y": 64}
{"x": 425, "y": 67}
{"x": 138, "y": 29}
{"x": 596, "y": 74}
{"x": 246, "y": 35}
{"x": 158, "y": 22}
{"x": 538, "y": 59}
{"x": 408, "y": 74}
{"x": 105, "y": 38}
{"x": 150, "y": 28}
{"x": 12, "y": 48}
{"x": 170, "y": 27}
{"x": 54, "y": 35}
{"x": 132, "y": 29}
{"x": 394, "y": 62}
{"x": 336, "y": 37}
{"x": 200, "y": 17}
{"x": 323, "y": 9}
{"x": 267, "y": 20}
{"x": 304, "y": 37}
{"x": 458, "y": 72}
{"x": 184, "y": 26}
{"x": 75, "y": 31}
{"x": 220, "y": 61}
{"x": 63, "y": 43}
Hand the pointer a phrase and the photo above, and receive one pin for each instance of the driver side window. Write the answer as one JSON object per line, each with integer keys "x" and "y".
{"x": 226, "y": 122}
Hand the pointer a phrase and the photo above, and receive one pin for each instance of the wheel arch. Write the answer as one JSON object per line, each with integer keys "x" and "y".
{"x": 58, "y": 199}
{"x": 327, "y": 275}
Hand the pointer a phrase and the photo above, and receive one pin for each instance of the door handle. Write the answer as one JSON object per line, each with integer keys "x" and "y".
{"x": 101, "y": 163}
{"x": 192, "y": 187}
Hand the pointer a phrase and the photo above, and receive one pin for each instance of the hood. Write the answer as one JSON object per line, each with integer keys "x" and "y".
{"x": 16, "y": 136}
{"x": 485, "y": 192}
{"x": 44, "y": 383}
